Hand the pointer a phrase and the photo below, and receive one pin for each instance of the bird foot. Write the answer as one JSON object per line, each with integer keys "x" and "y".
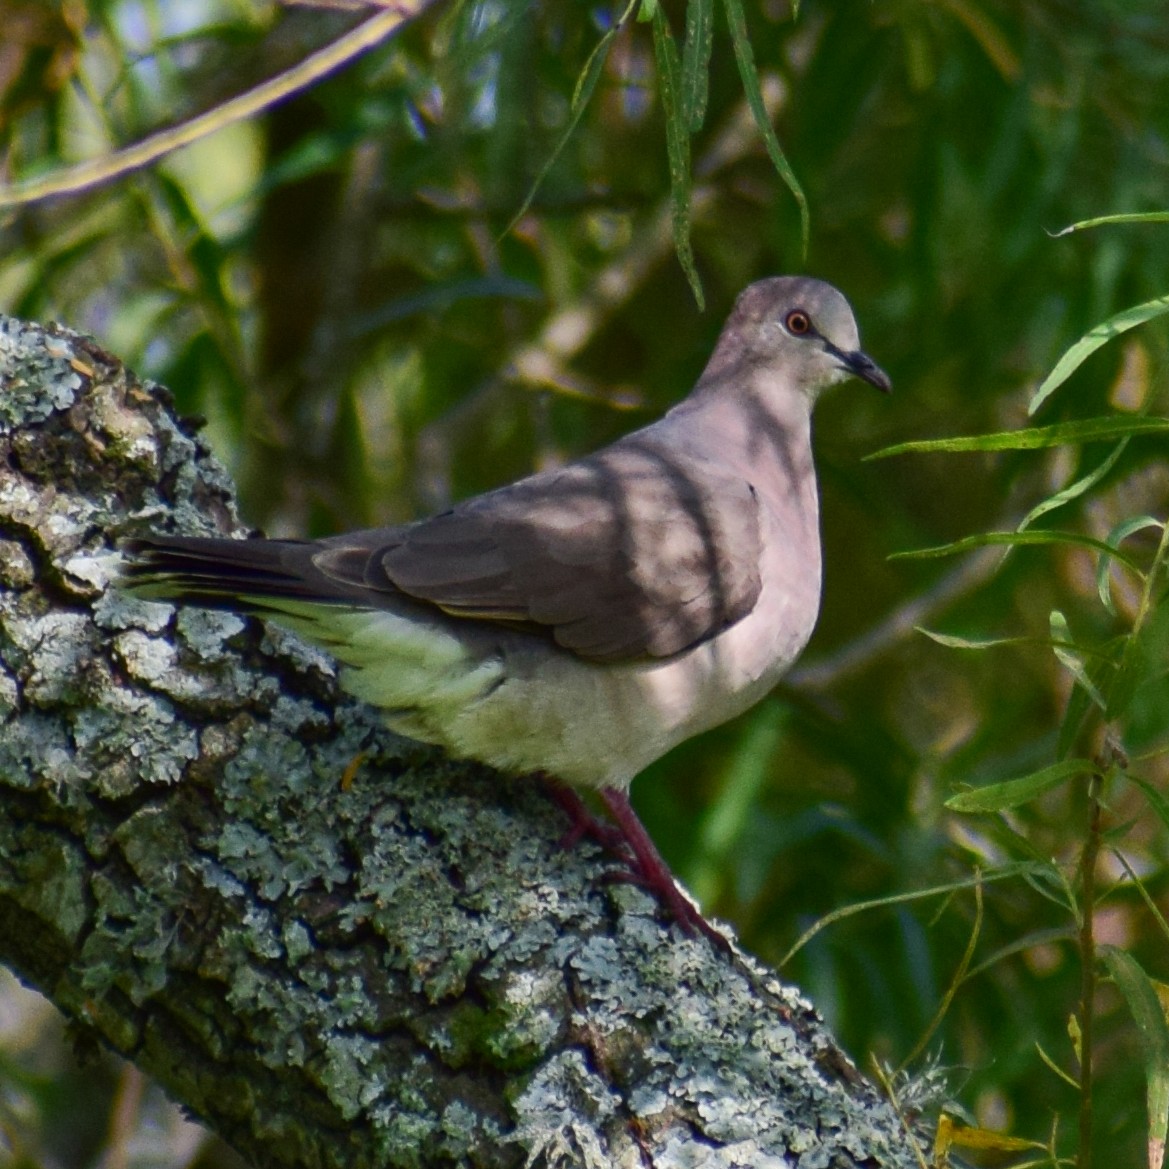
{"x": 642, "y": 864}
{"x": 651, "y": 872}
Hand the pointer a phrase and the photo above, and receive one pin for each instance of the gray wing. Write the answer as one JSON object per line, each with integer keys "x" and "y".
{"x": 630, "y": 553}
{"x": 635, "y": 552}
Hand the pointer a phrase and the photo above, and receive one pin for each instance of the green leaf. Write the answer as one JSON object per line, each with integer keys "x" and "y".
{"x": 582, "y": 94}
{"x": 975, "y": 643}
{"x": 745, "y": 58}
{"x": 1111, "y": 426}
{"x": 1064, "y": 648}
{"x": 1012, "y": 539}
{"x": 1105, "y": 220}
{"x": 1004, "y": 872}
{"x": 1121, "y": 532}
{"x": 1141, "y": 996}
{"x": 1076, "y": 489}
{"x": 677, "y": 148}
{"x": 1127, "y": 319}
{"x": 696, "y": 62}
{"x": 1053, "y": 1066}
{"x": 997, "y": 797}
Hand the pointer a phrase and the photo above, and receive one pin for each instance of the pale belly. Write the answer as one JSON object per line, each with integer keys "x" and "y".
{"x": 590, "y": 725}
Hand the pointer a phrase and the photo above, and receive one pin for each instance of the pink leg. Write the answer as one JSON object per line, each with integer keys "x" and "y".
{"x": 652, "y": 872}
{"x": 583, "y": 823}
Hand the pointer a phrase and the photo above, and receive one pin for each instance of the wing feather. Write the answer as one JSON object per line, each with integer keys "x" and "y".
{"x": 634, "y": 552}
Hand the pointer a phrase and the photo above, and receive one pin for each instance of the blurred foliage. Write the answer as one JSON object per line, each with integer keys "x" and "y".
{"x": 334, "y": 287}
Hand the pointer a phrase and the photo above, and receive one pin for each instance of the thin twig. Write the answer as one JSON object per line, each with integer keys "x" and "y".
{"x": 332, "y": 57}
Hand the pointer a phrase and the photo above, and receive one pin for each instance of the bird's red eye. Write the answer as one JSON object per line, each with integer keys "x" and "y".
{"x": 798, "y": 322}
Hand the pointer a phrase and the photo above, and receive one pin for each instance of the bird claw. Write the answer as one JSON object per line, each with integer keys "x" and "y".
{"x": 642, "y": 864}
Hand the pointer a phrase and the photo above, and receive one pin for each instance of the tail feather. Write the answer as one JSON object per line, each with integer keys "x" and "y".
{"x": 241, "y": 575}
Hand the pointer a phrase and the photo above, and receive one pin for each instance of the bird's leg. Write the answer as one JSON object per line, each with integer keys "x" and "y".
{"x": 646, "y": 868}
{"x": 583, "y": 823}
{"x": 651, "y": 871}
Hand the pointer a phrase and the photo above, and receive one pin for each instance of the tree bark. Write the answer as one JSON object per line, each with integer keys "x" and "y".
{"x": 335, "y": 947}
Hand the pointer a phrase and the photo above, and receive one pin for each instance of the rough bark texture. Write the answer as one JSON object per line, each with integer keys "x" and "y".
{"x": 401, "y": 969}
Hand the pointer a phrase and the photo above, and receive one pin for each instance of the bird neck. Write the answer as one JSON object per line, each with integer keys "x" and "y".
{"x": 752, "y": 416}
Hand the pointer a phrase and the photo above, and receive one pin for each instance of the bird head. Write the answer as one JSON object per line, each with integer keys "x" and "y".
{"x": 800, "y": 328}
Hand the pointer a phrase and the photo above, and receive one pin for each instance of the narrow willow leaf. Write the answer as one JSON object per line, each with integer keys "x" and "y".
{"x": 586, "y": 82}
{"x": 1161, "y": 988}
{"x": 952, "y": 642}
{"x": 997, "y": 797}
{"x": 677, "y": 148}
{"x": 1149, "y": 1016}
{"x": 1070, "y": 658}
{"x": 1127, "y": 319}
{"x": 1021, "y": 539}
{"x": 1111, "y": 426}
{"x": 696, "y": 62}
{"x": 1104, "y": 220}
{"x": 745, "y": 58}
{"x": 1056, "y": 1068}
{"x": 1005, "y": 872}
{"x": 1076, "y": 489}
{"x": 1121, "y": 532}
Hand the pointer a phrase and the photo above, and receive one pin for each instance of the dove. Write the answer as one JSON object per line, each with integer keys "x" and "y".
{"x": 579, "y": 623}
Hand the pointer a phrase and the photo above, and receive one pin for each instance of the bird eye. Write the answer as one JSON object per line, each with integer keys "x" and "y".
{"x": 797, "y": 322}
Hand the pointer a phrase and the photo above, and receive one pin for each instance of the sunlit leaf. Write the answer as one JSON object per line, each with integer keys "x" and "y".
{"x": 1111, "y": 426}
{"x": 997, "y": 797}
{"x": 1100, "y": 334}
{"x": 975, "y": 643}
{"x": 1149, "y": 1016}
{"x": 960, "y": 1136}
{"x": 1105, "y": 220}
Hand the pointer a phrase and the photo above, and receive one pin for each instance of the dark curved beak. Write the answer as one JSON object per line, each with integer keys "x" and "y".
{"x": 863, "y": 366}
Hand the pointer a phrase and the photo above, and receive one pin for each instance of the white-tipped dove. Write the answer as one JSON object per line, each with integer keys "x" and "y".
{"x": 581, "y": 622}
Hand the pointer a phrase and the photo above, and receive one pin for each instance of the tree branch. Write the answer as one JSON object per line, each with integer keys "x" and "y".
{"x": 400, "y": 970}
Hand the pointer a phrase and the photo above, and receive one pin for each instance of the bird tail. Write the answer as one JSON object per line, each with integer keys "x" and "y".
{"x": 216, "y": 573}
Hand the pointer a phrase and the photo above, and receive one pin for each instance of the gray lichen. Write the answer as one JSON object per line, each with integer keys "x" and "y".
{"x": 335, "y": 946}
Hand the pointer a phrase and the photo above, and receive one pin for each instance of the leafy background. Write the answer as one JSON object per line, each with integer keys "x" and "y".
{"x": 342, "y": 287}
